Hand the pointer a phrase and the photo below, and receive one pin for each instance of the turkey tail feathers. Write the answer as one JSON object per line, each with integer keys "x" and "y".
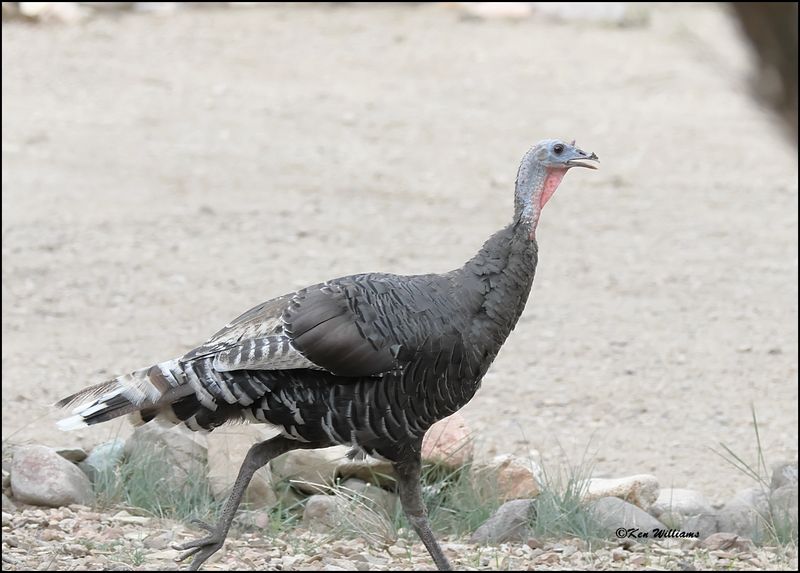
{"x": 147, "y": 388}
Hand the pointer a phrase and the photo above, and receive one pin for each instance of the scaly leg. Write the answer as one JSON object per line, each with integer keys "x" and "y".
{"x": 409, "y": 474}
{"x": 257, "y": 457}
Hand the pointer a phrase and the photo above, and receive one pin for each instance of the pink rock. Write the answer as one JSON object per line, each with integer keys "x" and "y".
{"x": 516, "y": 477}
{"x": 39, "y": 476}
{"x": 448, "y": 442}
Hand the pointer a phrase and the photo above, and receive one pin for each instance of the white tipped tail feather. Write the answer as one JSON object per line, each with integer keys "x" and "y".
{"x": 127, "y": 394}
{"x": 71, "y": 423}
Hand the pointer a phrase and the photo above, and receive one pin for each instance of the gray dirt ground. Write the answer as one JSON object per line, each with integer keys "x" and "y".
{"x": 162, "y": 174}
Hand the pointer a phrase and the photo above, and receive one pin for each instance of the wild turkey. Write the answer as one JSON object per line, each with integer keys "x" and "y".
{"x": 370, "y": 360}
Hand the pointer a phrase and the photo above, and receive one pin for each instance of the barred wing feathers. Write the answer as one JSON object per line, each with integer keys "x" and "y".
{"x": 357, "y": 326}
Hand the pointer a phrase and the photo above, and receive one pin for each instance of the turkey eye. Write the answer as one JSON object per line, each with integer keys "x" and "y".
{"x": 558, "y": 149}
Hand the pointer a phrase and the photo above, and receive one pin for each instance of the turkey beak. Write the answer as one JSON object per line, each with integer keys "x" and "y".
{"x": 583, "y": 160}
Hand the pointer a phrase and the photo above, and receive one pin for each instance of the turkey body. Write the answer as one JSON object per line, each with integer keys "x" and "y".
{"x": 369, "y": 361}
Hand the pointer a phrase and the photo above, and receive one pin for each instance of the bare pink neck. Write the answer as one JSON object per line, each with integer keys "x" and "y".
{"x": 541, "y": 196}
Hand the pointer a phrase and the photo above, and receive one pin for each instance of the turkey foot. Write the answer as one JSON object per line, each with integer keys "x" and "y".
{"x": 203, "y": 548}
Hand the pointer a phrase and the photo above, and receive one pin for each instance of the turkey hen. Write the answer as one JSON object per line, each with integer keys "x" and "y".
{"x": 369, "y": 361}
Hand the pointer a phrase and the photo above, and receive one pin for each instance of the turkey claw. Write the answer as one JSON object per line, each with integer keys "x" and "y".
{"x": 200, "y": 549}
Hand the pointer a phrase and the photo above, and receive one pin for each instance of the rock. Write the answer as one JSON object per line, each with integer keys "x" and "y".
{"x": 744, "y": 514}
{"x": 8, "y": 505}
{"x": 640, "y": 490}
{"x": 673, "y": 520}
{"x": 252, "y": 519}
{"x": 783, "y": 505}
{"x": 227, "y": 448}
{"x": 705, "y": 524}
{"x": 342, "y": 515}
{"x": 73, "y": 455}
{"x": 680, "y": 502}
{"x": 309, "y": 471}
{"x": 103, "y": 459}
{"x": 40, "y": 476}
{"x": 123, "y": 516}
{"x": 158, "y": 540}
{"x": 6, "y": 479}
{"x": 448, "y": 443}
{"x": 374, "y": 496}
{"x": 534, "y": 543}
{"x": 110, "y": 6}
{"x": 613, "y": 513}
{"x": 511, "y": 522}
{"x": 623, "y": 14}
{"x": 753, "y": 512}
{"x": 369, "y": 469}
{"x": 513, "y": 477}
{"x": 315, "y": 471}
{"x": 183, "y": 451}
{"x": 783, "y": 474}
{"x": 726, "y": 542}
{"x": 66, "y": 12}
{"x": 324, "y": 512}
{"x": 496, "y": 10}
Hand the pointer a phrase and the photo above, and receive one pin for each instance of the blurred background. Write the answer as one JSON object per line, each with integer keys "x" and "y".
{"x": 167, "y": 167}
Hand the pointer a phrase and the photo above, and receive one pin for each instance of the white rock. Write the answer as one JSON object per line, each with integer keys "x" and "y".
{"x": 641, "y": 490}
{"x": 67, "y": 12}
{"x": 40, "y": 476}
{"x": 682, "y": 502}
{"x": 227, "y": 448}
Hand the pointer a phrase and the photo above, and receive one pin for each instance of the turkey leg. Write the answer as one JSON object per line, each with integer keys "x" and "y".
{"x": 257, "y": 457}
{"x": 409, "y": 474}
